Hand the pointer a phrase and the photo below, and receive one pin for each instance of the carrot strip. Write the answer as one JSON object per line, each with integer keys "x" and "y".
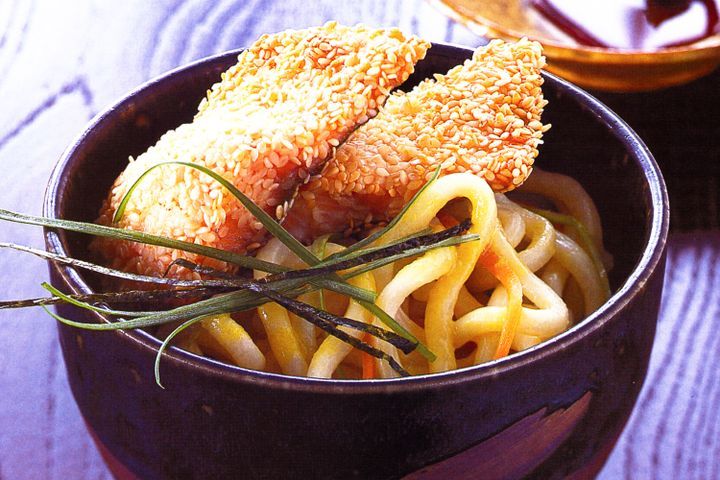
{"x": 447, "y": 220}
{"x": 500, "y": 268}
{"x": 368, "y": 361}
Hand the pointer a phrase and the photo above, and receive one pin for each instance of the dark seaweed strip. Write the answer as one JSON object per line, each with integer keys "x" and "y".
{"x": 130, "y": 296}
{"x": 449, "y": 242}
{"x": 390, "y": 251}
{"x": 331, "y": 329}
{"x": 94, "y": 308}
{"x": 140, "y": 237}
{"x": 117, "y": 273}
{"x": 375, "y": 254}
{"x": 209, "y": 271}
{"x": 305, "y": 310}
{"x": 239, "y": 282}
{"x": 371, "y": 256}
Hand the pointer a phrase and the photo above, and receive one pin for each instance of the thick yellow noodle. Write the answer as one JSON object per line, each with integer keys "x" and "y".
{"x": 333, "y": 351}
{"x": 431, "y": 266}
{"x": 444, "y": 295}
{"x": 549, "y": 318}
{"x": 235, "y": 340}
{"x": 285, "y": 340}
{"x": 478, "y": 300}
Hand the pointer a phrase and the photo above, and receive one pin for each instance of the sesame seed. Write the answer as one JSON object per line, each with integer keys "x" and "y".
{"x": 268, "y": 121}
{"x": 482, "y": 117}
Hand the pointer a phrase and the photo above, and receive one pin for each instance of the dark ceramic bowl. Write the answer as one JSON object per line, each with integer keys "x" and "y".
{"x": 551, "y": 411}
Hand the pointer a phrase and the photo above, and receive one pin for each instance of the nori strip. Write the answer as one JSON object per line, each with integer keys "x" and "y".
{"x": 130, "y": 296}
{"x": 327, "y": 321}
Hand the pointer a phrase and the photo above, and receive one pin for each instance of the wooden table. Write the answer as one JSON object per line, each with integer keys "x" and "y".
{"x": 62, "y": 62}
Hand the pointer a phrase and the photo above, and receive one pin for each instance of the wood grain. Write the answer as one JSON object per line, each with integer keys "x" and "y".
{"x": 674, "y": 430}
{"x": 62, "y": 62}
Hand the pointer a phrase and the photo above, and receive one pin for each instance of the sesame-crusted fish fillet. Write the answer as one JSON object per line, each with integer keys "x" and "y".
{"x": 275, "y": 116}
{"x": 482, "y": 116}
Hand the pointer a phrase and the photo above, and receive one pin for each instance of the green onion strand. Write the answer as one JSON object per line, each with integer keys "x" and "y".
{"x": 166, "y": 343}
{"x": 270, "y": 224}
{"x": 234, "y": 293}
{"x": 140, "y": 237}
{"x": 283, "y": 235}
{"x": 374, "y": 236}
{"x": 129, "y": 296}
{"x": 323, "y": 321}
{"x": 88, "y": 306}
{"x": 586, "y": 241}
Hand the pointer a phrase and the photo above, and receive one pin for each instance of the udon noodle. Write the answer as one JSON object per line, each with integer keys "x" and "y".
{"x": 524, "y": 281}
{"x": 309, "y": 128}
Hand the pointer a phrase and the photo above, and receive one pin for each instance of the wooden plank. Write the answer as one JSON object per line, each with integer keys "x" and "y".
{"x": 675, "y": 427}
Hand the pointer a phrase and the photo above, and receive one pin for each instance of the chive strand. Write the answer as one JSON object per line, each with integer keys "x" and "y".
{"x": 309, "y": 312}
{"x": 270, "y": 224}
{"x": 331, "y": 329}
{"x": 88, "y": 306}
{"x": 130, "y": 296}
{"x": 371, "y": 238}
{"x": 263, "y": 217}
{"x": 140, "y": 237}
{"x": 166, "y": 343}
{"x": 586, "y": 241}
{"x": 319, "y": 248}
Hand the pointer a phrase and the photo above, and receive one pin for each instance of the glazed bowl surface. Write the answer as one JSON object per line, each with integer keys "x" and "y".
{"x": 611, "y": 69}
{"x": 550, "y": 411}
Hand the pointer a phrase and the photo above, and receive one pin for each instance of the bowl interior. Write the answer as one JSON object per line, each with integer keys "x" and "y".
{"x": 586, "y": 141}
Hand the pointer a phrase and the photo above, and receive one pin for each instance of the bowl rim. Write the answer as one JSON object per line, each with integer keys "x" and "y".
{"x": 649, "y": 261}
{"x": 707, "y": 47}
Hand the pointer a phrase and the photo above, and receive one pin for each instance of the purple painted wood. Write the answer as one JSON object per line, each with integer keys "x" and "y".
{"x": 60, "y": 64}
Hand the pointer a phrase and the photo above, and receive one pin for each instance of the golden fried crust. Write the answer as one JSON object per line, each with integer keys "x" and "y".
{"x": 482, "y": 116}
{"x": 275, "y": 116}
